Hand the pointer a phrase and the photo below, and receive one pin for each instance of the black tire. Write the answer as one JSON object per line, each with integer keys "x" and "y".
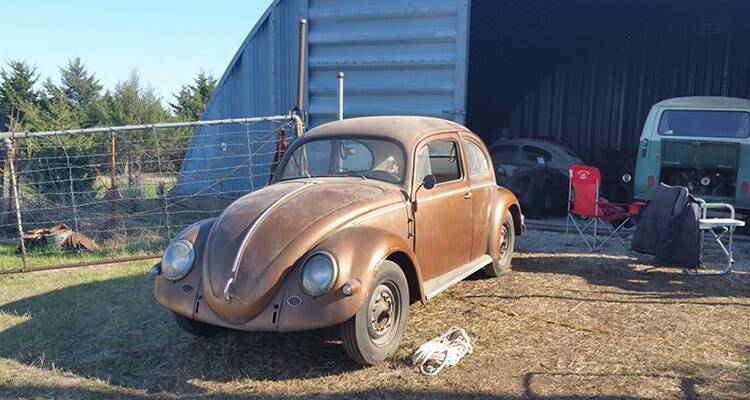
{"x": 197, "y": 328}
{"x": 506, "y": 245}
{"x": 375, "y": 331}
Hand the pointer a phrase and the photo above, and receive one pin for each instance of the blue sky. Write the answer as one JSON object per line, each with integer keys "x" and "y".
{"x": 166, "y": 41}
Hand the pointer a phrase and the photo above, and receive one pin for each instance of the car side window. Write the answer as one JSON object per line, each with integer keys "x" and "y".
{"x": 441, "y": 159}
{"x": 504, "y": 153}
{"x": 535, "y": 155}
{"x": 476, "y": 159}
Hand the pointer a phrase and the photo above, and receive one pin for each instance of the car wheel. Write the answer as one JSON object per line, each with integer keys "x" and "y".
{"x": 375, "y": 332}
{"x": 197, "y": 328}
{"x": 505, "y": 248}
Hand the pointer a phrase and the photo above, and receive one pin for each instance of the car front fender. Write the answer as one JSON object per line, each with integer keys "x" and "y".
{"x": 359, "y": 251}
{"x": 180, "y": 296}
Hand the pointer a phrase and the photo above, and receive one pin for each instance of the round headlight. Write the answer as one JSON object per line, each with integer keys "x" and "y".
{"x": 318, "y": 274}
{"x": 177, "y": 259}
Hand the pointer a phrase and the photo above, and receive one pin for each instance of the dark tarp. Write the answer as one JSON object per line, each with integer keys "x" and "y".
{"x": 668, "y": 228}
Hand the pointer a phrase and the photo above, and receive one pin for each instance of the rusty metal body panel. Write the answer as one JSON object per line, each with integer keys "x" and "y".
{"x": 247, "y": 269}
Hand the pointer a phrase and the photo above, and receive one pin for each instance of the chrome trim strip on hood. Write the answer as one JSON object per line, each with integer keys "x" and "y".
{"x": 238, "y": 257}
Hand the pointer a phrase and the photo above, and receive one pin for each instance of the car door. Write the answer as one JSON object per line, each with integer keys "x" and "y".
{"x": 481, "y": 186}
{"x": 443, "y": 231}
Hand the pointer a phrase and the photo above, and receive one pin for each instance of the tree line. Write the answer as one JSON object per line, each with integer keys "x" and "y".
{"x": 79, "y": 100}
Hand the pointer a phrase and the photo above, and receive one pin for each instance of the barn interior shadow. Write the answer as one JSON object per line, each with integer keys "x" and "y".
{"x": 114, "y": 330}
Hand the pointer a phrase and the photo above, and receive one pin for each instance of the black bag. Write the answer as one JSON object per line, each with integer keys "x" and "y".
{"x": 668, "y": 228}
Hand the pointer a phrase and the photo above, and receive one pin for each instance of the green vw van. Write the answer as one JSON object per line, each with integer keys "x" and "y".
{"x": 702, "y": 143}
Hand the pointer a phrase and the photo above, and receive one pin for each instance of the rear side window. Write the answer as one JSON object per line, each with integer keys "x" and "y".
{"x": 702, "y": 123}
{"x": 536, "y": 155}
{"x": 440, "y": 159}
{"x": 504, "y": 153}
{"x": 475, "y": 158}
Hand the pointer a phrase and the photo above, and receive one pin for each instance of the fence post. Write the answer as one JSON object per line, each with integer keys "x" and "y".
{"x": 113, "y": 193}
{"x": 161, "y": 179}
{"x": 16, "y": 202}
{"x": 3, "y": 173}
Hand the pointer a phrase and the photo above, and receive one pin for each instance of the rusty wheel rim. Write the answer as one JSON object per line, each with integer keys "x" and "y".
{"x": 504, "y": 249}
{"x": 383, "y": 313}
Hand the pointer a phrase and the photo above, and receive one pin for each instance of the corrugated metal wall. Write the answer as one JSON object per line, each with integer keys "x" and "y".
{"x": 399, "y": 57}
{"x": 581, "y": 72}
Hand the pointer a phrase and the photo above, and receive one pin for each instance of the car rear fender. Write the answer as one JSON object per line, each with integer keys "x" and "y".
{"x": 505, "y": 201}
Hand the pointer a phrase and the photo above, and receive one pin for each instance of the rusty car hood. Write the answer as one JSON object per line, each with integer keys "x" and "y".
{"x": 245, "y": 242}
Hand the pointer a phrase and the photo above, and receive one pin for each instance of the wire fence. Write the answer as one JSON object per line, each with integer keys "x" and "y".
{"x": 102, "y": 195}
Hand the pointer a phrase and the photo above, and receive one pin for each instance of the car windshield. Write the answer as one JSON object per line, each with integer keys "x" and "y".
{"x": 697, "y": 123}
{"x": 366, "y": 158}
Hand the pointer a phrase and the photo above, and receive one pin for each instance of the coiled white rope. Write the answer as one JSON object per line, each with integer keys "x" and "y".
{"x": 446, "y": 349}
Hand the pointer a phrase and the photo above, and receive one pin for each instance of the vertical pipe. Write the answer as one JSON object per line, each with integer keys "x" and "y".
{"x": 340, "y": 114}
{"x": 16, "y": 202}
{"x": 300, "y": 106}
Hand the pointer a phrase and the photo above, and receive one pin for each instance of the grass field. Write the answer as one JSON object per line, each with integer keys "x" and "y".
{"x": 565, "y": 324}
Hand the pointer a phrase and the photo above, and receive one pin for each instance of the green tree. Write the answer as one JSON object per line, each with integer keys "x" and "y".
{"x": 131, "y": 103}
{"x": 82, "y": 91}
{"x": 193, "y": 99}
{"x": 17, "y": 94}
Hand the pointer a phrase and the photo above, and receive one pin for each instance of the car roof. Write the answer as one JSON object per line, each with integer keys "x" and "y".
{"x": 705, "y": 102}
{"x": 408, "y": 130}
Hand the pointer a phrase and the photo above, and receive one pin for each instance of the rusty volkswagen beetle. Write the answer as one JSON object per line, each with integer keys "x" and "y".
{"x": 362, "y": 218}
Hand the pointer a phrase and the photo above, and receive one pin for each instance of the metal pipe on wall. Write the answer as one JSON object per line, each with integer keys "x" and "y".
{"x": 301, "y": 66}
{"x": 340, "y": 113}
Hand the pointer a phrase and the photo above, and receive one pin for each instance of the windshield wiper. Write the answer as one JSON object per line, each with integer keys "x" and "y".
{"x": 357, "y": 174}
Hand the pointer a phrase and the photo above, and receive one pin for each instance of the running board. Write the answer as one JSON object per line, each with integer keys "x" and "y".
{"x": 435, "y": 286}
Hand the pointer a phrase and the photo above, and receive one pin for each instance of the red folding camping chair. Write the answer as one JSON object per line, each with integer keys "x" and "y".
{"x": 584, "y": 202}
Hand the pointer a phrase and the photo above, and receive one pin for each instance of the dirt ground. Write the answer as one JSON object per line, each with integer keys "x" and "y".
{"x": 565, "y": 323}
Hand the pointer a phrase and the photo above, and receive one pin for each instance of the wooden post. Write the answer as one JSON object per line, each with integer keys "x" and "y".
{"x": 16, "y": 202}
{"x": 113, "y": 195}
{"x": 3, "y": 214}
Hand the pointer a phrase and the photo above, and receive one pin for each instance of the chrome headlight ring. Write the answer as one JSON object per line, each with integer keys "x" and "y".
{"x": 178, "y": 259}
{"x": 319, "y": 273}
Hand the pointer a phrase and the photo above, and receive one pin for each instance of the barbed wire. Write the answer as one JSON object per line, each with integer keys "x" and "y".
{"x": 129, "y": 190}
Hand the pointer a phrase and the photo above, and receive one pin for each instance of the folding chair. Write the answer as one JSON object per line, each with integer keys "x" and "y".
{"x": 584, "y": 202}
{"x": 719, "y": 227}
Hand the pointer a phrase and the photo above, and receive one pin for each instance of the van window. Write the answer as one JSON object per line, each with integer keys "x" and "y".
{"x": 704, "y": 123}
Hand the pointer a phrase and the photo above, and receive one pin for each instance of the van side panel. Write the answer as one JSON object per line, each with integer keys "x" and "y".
{"x": 647, "y": 158}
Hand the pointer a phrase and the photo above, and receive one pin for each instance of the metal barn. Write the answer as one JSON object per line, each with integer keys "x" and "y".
{"x": 581, "y": 72}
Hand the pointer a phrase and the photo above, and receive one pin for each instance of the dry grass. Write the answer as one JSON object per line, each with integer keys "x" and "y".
{"x": 564, "y": 324}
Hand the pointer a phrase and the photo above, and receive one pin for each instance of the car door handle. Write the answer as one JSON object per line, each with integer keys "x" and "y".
{"x": 467, "y": 196}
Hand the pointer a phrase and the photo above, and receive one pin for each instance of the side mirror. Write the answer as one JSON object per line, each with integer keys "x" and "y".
{"x": 429, "y": 182}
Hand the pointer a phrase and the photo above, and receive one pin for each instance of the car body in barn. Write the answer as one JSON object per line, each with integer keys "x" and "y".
{"x": 702, "y": 143}
{"x": 363, "y": 217}
{"x": 536, "y": 171}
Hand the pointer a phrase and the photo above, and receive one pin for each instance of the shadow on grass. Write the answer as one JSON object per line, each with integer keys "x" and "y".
{"x": 362, "y": 394}
{"x": 658, "y": 283}
{"x": 114, "y": 330}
